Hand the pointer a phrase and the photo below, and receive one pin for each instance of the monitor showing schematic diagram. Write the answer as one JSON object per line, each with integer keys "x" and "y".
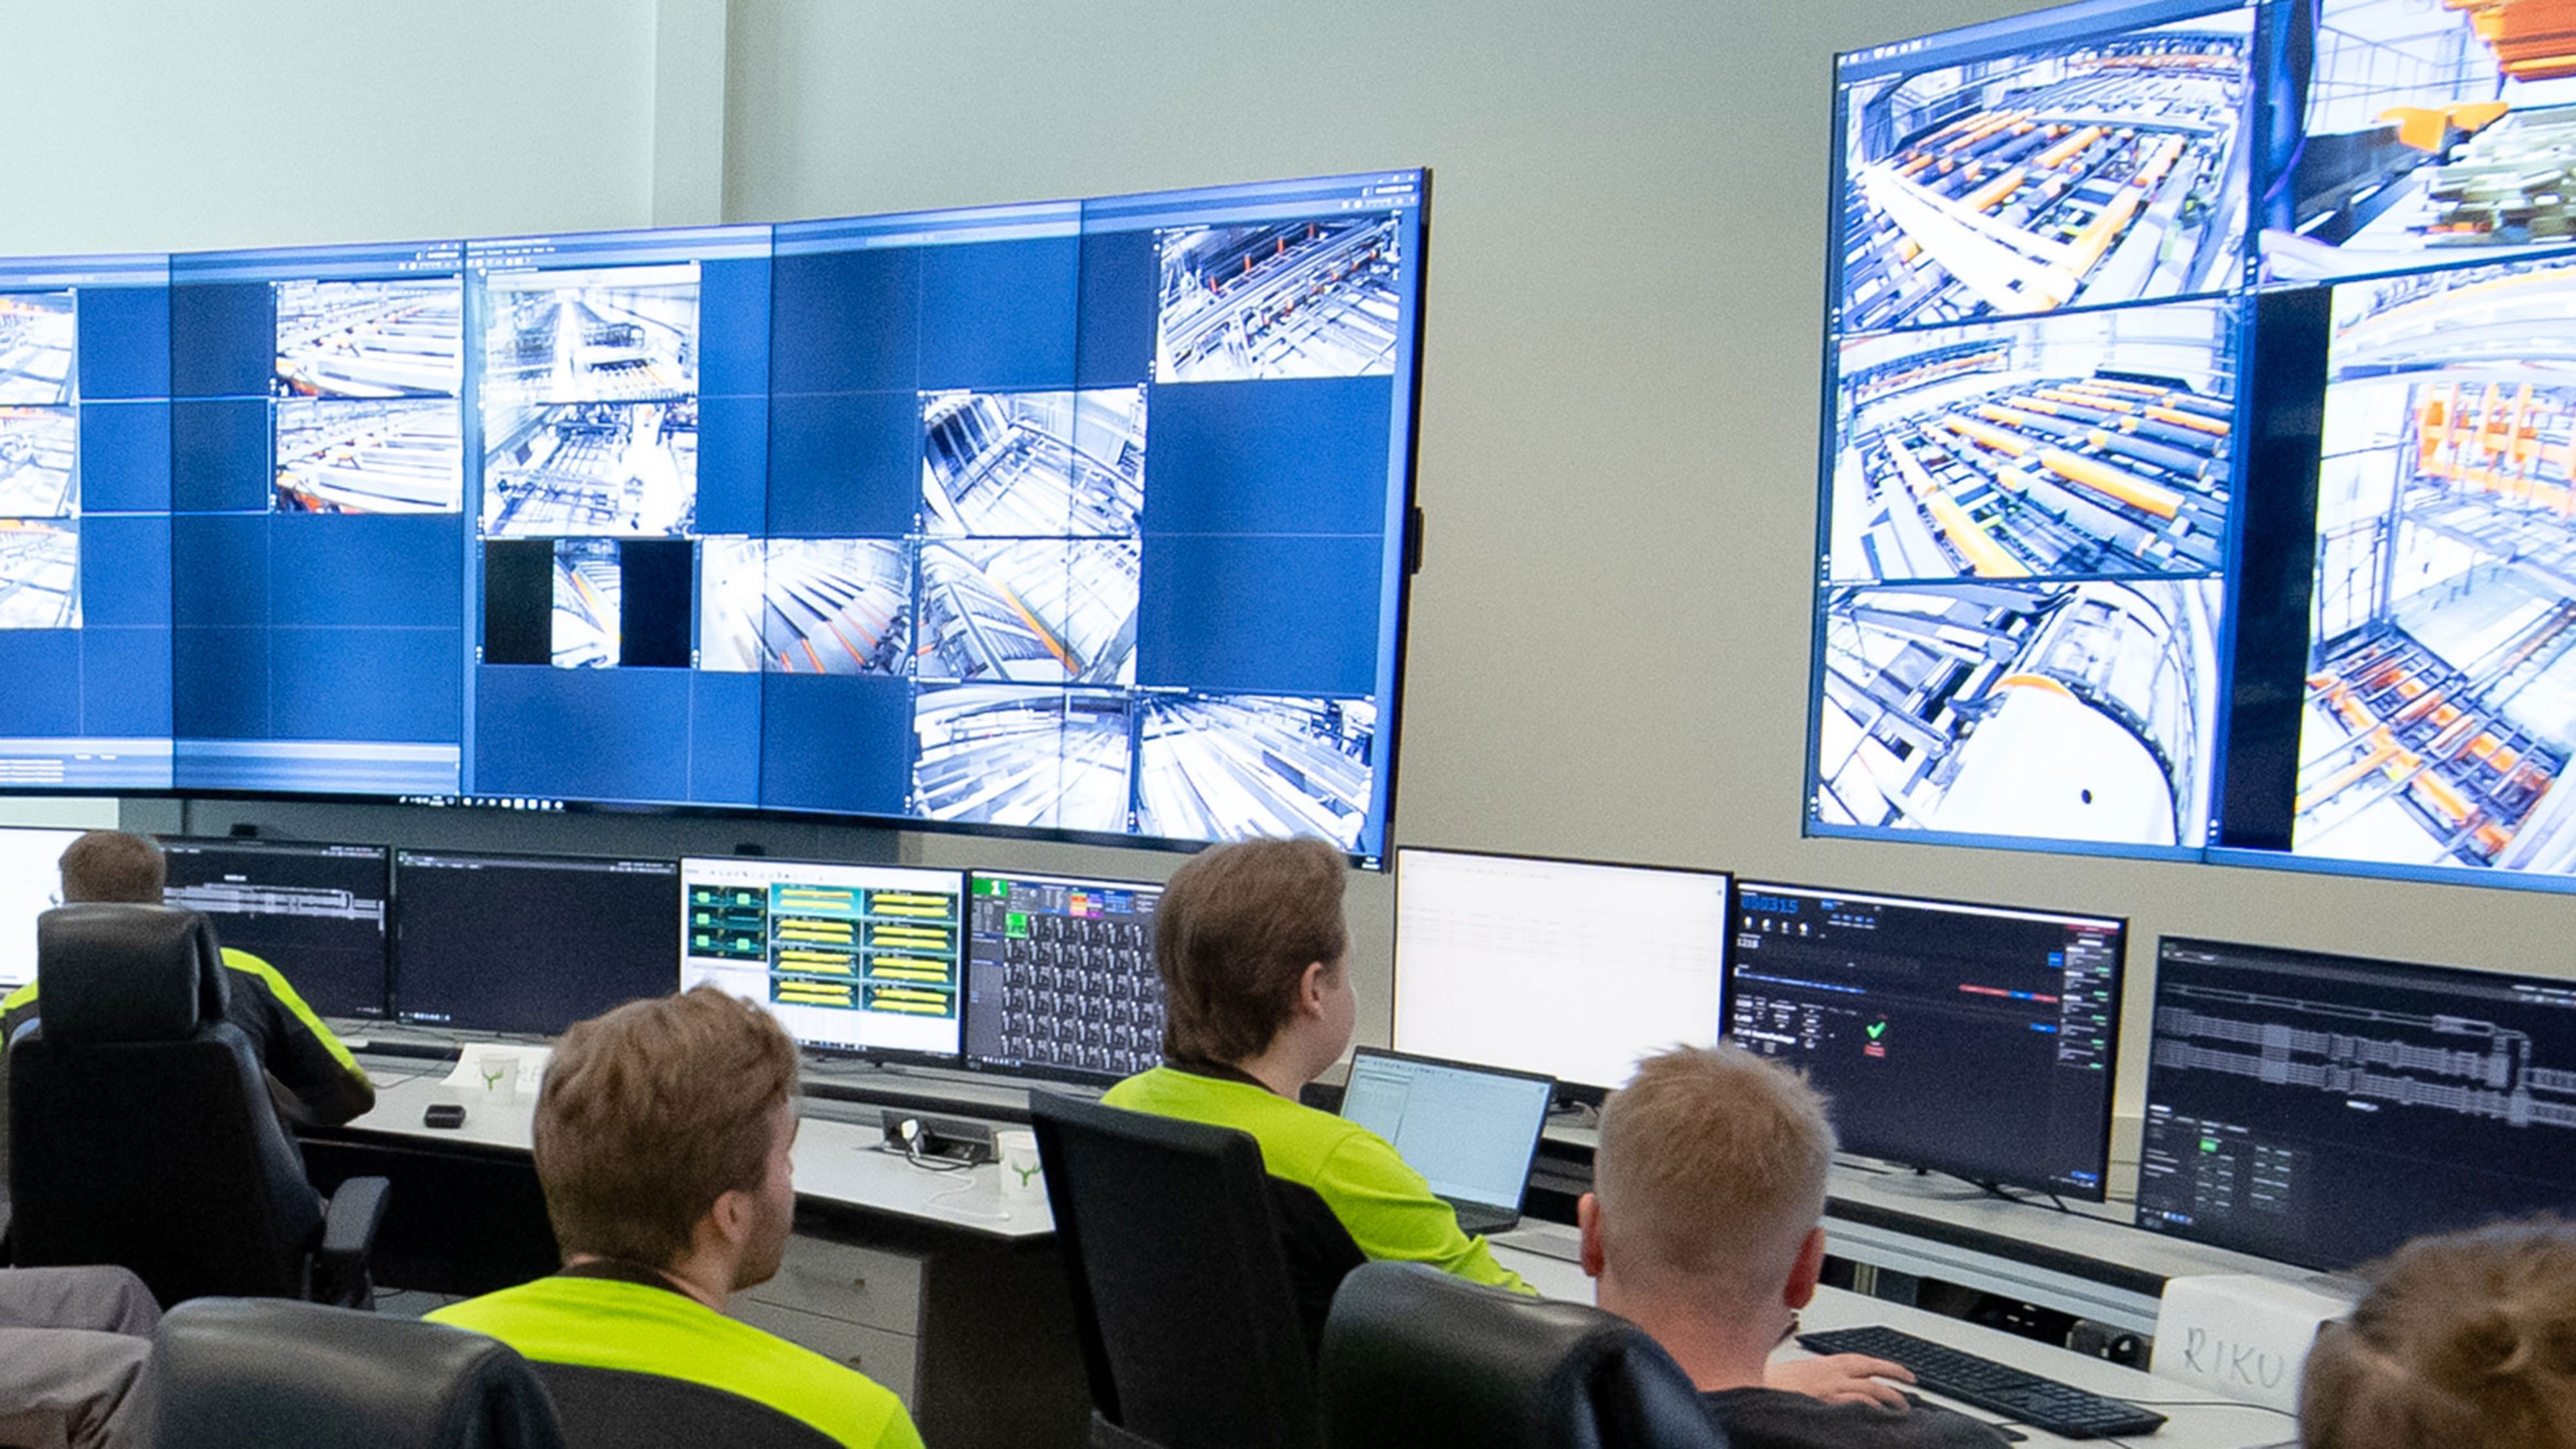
{"x": 1972, "y": 1040}
{"x": 317, "y": 912}
{"x": 1060, "y": 976}
{"x": 851, "y": 958}
{"x": 2324, "y": 1109}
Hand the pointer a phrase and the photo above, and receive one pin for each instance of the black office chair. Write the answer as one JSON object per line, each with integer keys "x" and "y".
{"x": 1184, "y": 1284}
{"x": 611, "y": 1409}
{"x": 141, "y": 1130}
{"x": 1415, "y": 1358}
{"x": 253, "y": 1373}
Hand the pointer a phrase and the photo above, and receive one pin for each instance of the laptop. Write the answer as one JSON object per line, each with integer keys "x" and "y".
{"x": 1471, "y": 1130}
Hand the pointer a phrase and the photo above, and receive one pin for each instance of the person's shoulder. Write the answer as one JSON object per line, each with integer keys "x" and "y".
{"x": 795, "y": 1380}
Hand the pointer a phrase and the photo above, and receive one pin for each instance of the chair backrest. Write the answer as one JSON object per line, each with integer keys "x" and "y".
{"x": 1415, "y": 1358}
{"x": 265, "y": 1373}
{"x": 611, "y": 1408}
{"x": 140, "y": 1127}
{"x": 1180, "y": 1291}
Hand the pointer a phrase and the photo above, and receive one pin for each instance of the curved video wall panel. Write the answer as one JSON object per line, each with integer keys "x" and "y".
{"x": 1086, "y": 517}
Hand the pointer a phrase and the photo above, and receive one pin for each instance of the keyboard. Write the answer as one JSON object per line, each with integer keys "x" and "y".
{"x": 2022, "y": 1396}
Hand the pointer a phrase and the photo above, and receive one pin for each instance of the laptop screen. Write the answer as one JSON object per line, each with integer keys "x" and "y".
{"x": 1471, "y": 1131}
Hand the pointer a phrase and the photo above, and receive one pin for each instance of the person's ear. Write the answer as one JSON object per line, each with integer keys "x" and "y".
{"x": 1587, "y": 1219}
{"x": 1801, "y": 1289}
{"x": 732, "y": 1216}
{"x": 1311, "y": 987}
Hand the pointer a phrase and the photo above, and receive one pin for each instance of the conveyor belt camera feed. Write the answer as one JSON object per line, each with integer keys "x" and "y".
{"x": 590, "y": 409}
{"x": 2428, "y": 129}
{"x": 2078, "y": 445}
{"x": 368, "y": 376}
{"x": 2441, "y": 699}
{"x": 2105, "y": 168}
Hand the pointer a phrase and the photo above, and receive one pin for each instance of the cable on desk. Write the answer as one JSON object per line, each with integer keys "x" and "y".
{"x": 945, "y": 1198}
{"x": 911, "y": 1130}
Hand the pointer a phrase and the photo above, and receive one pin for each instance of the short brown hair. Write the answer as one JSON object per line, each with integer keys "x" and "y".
{"x": 111, "y": 865}
{"x": 1711, "y": 1164}
{"x": 1235, "y": 931}
{"x": 652, "y": 1112}
{"x": 2466, "y": 1340}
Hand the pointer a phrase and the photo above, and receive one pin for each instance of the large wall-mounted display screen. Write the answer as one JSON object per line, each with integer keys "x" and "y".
{"x": 2196, "y": 476}
{"x": 1084, "y": 517}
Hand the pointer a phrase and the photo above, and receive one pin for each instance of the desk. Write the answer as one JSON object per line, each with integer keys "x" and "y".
{"x": 2205, "y": 1423}
{"x": 928, "y": 1282}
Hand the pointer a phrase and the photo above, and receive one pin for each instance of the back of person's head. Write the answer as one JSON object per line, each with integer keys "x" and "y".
{"x": 111, "y": 865}
{"x": 1233, "y": 935}
{"x": 2466, "y": 1340}
{"x": 652, "y": 1112}
{"x": 1710, "y": 1172}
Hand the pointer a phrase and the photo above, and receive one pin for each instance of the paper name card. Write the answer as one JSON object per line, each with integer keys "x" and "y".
{"x": 2241, "y": 1335}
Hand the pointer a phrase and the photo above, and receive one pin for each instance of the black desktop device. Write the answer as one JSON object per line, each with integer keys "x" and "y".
{"x": 1971, "y": 1040}
{"x": 2324, "y": 1109}
{"x": 1060, "y": 977}
{"x": 529, "y": 943}
{"x": 315, "y": 911}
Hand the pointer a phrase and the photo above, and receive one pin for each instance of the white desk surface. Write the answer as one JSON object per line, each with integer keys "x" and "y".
{"x": 2195, "y": 1419}
{"x": 837, "y": 1163}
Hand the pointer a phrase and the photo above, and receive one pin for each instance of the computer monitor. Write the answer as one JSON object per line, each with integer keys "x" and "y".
{"x": 1470, "y": 1131}
{"x": 1567, "y": 967}
{"x": 2324, "y": 1109}
{"x": 30, "y": 885}
{"x": 528, "y": 943}
{"x": 852, "y": 958}
{"x": 1973, "y": 1040}
{"x": 1060, "y": 977}
{"x": 314, "y": 911}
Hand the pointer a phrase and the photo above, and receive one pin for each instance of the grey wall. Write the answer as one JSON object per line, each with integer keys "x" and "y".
{"x": 1610, "y": 643}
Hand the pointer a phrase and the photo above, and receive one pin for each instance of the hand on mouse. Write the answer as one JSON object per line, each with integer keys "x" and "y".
{"x": 1842, "y": 1378}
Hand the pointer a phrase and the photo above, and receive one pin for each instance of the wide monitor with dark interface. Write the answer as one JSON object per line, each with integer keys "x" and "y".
{"x": 1571, "y": 968}
{"x": 1972, "y": 1040}
{"x": 528, "y": 943}
{"x": 2324, "y": 1109}
{"x": 30, "y": 885}
{"x": 851, "y": 958}
{"x": 317, "y": 912}
{"x": 1060, "y": 977}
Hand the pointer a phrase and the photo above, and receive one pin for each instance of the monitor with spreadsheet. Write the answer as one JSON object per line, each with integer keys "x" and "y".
{"x": 30, "y": 885}
{"x": 316, "y": 912}
{"x": 528, "y": 943}
{"x": 851, "y": 958}
{"x": 1972, "y": 1040}
{"x": 1572, "y": 968}
{"x": 2324, "y": 1109}
{"x": 1060, "y": 976}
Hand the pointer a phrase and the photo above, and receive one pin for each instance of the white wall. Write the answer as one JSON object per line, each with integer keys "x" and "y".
{"x": 166, "y": 125}
{"x": 1610, "y": 644}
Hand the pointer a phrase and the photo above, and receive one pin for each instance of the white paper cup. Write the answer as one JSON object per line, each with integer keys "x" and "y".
{"x": 499, "y": 1074}
{"x": 1022, "y": 1181}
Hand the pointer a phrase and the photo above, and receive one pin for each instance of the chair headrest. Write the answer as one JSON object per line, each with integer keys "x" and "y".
{"x": 1417, "y": 1357}
{"x": 127, "y": 973}
{"x": 278, "y": 1374}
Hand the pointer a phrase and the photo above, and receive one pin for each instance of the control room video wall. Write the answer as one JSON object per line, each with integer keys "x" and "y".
{"x": 2197, "y": 476}
{"x": 1085, "y": 517}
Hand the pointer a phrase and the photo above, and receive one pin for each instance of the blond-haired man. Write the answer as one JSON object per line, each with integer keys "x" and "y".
{"x": 1702, "y": 1229}
{"x": 663, "y": 1135}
